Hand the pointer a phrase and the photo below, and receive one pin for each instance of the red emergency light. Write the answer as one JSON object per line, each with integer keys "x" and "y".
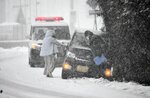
{"x": 49, "y": 18}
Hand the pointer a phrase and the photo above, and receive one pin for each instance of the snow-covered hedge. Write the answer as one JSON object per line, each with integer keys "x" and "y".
{"x": 127, "y": 22}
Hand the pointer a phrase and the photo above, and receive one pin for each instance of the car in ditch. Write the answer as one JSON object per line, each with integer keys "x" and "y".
{"x": 37, "y": 33}
{"x": 80, "y": 60}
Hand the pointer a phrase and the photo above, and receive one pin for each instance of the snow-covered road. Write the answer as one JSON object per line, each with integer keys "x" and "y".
{"x": 19, "y": 80}
{"x": 23, "y": 91}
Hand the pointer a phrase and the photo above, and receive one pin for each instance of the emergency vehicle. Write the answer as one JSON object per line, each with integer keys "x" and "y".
{"x": 37, "y": 33}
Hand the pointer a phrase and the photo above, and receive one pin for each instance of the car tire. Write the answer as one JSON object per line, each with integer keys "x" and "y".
{"x": 31, "y": 63}
{"x": 65, "y": 74}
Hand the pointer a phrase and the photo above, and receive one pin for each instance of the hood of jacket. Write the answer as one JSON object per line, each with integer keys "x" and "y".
{"x": 49, "y": 33}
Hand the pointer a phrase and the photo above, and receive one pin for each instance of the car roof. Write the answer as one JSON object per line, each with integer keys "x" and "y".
{"x": 43, "y": 23}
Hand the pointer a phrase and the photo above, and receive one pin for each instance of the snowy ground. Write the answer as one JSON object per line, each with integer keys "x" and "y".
{"x": 19, "y": 80}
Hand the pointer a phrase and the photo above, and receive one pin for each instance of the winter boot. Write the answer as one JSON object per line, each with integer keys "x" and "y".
{"x": 50, "y": 75}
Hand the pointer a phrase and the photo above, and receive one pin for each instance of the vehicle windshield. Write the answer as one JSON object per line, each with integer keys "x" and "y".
{"x": 38, "y": 32}
{"x": 79, "y": 40}
{"x": 82, "y": 53}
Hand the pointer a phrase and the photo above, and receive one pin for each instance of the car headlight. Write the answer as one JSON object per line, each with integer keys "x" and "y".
{"x": 108, "y": 73}
{"x": 35, "y": 46}
{"x": 66, "y": 66}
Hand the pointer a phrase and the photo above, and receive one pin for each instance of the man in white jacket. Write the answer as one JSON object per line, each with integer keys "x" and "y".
{"x": 48, "y": 49}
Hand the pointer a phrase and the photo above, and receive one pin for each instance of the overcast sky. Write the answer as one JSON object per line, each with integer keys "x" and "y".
{"x": 50, "y": 8}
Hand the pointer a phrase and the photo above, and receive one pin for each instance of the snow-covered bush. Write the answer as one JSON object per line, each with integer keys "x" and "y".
{"x": 127, "y": 22}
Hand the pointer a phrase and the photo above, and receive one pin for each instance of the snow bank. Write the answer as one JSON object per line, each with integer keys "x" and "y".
{"x": 15, "y": 49}
{"x": 12, "y": 52}
{"x": 131, "y": 87}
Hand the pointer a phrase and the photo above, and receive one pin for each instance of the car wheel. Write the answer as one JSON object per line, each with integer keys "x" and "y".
{"x": 31, "y": 63}
{"x": 66, "y": 74}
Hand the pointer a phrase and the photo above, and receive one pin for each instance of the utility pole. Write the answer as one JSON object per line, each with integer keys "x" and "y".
{"x": 95, "y": 22}
{"x": 36, "y": 4}
{"x": 71, "y": 4}
{"x": 36, "y": 8}
{"x": 95, "y": 12}
{"x": 72, "y": 17}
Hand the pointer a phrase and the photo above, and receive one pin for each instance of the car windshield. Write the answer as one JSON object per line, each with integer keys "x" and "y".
{"x": 38, "y": 32}
{"x": 84, "y": 54}
{"x": 79, "y": 40}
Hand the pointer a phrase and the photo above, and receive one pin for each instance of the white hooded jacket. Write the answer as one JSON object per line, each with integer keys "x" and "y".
{"x": 49, "y": 44}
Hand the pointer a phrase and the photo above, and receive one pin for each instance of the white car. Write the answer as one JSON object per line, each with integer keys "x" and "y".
{"x": 37, "y": 34}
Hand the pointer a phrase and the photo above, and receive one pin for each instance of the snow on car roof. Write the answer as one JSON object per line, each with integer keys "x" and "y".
{"x": 56, "y": 23}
